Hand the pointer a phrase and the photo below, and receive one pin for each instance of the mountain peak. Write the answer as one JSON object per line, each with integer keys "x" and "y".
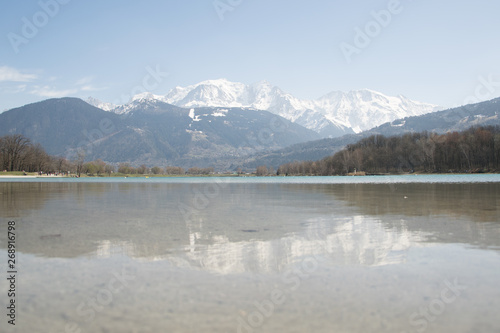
{"x": 100, "y": 104}
{"x": 146, "y": 96}
{"x": 333, "y": 114}
{"x": 358, "y": 109}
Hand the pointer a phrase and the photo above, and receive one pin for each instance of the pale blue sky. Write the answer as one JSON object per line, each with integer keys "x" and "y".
{"x": 430, "y": 51}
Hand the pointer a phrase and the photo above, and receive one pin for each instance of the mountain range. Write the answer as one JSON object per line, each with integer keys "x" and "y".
{"x": 152, "y": 132}
{"x": 332, "y": 115}
{"x": 456, "y": 119}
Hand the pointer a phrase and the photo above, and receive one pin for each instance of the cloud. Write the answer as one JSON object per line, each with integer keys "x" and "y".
{"x": 54, "y": 92}
{"x": 14, "y": 89}
{"x": 13, "y": 75}
{"x": 84, "y": 81}
{"x": 50, "y": 92}
{"x": 84, "y": 84}
{"x": 92, "y": 88}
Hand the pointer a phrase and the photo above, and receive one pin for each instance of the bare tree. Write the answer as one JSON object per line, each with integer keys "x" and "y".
{"x": 100, "y": 166}
{"x": 37, "y": 159}
{"x": 170, "y": 170}
{"x": 80, "y": 158}
{"x": 261, "y": 170}
{"x": 109, "y": 169}
{"x": 156, "y": 170}
{"x": 143, "y": 169}
{"x": 12, "y": 148}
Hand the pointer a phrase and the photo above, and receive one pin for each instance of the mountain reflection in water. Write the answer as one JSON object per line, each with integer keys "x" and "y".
{"x": 235, "y": 228}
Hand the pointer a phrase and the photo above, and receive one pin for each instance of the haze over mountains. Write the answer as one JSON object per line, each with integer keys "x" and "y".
{"x": 332, "y": 115}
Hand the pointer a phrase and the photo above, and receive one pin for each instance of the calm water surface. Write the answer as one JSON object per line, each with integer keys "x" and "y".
{"x": 302, "y": 254}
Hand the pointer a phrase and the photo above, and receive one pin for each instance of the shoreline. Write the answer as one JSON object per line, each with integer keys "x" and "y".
{"x": 242, "y": 176}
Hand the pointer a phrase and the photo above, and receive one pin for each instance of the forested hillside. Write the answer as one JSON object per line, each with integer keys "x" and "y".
{"x": 473, "y": 150}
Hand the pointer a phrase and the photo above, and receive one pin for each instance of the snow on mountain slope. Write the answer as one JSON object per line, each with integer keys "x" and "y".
{"x": 211, "y": 93}
{"x": 147, "y": 96}
{"x": 364, "y": 109}
{"x": 334, "y": 114}
{"x": 99, "y": 104}
{"x": 357, "y": 110}
{"x": 261, "y": 95}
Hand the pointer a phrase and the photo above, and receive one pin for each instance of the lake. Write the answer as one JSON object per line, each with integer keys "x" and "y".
{"x": 247, "y": 254}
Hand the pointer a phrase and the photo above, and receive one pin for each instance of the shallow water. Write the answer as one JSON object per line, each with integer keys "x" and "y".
{"x": 297, "y": 254}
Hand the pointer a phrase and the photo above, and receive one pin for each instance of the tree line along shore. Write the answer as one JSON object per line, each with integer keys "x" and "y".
{"x": 475, "y": 150}
{"x": 19, "y": 156}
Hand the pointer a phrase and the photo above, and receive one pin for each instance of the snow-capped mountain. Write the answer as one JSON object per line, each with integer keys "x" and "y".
{"x": 362, "y": 110}
{"x": 262, "y": 96}
{"x": 100, "y": 104}
{"x": 332, "y": 115}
